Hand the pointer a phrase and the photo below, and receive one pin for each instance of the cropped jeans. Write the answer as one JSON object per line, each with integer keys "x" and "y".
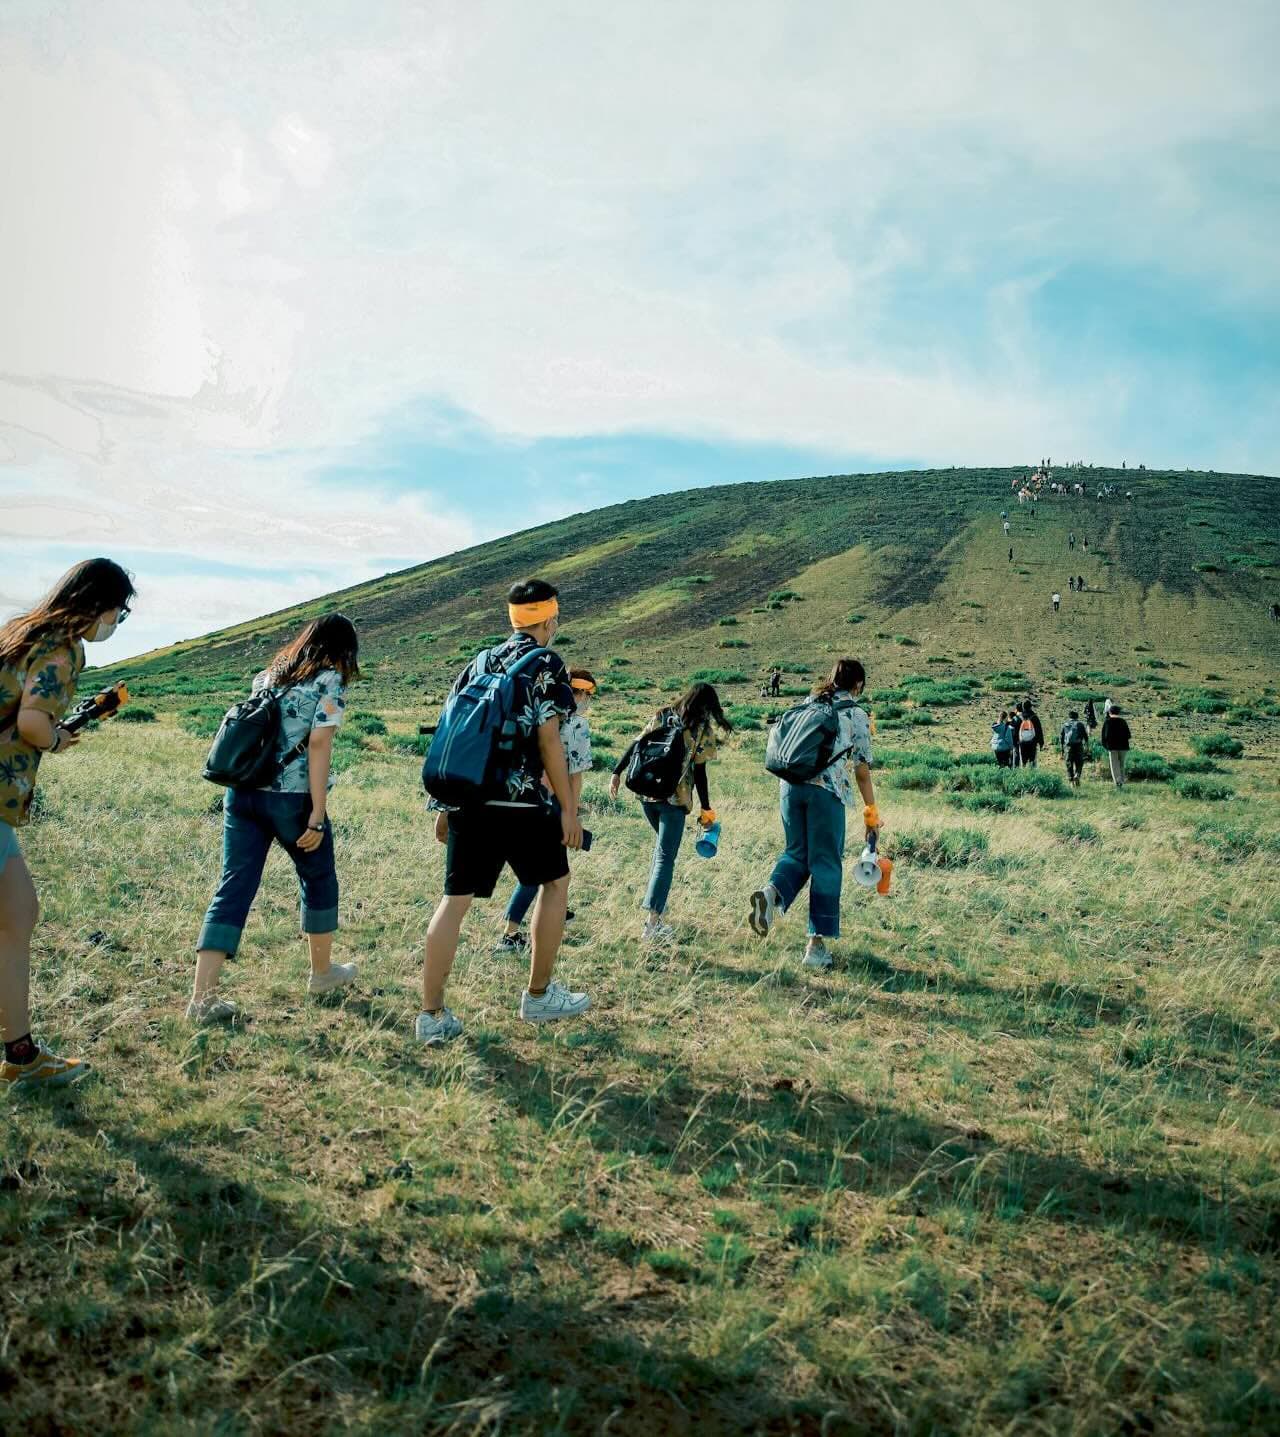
{"x": 252, "y": 820}
{"x": 813, "y": 820}
{"x": 667, "y": 820}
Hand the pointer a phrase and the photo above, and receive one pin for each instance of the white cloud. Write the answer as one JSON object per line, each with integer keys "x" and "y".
{"x": 247, "y": 237}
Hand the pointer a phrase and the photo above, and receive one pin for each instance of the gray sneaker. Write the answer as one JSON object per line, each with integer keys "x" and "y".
{"x": 436, "y": 1032}
{"x": 338, "y": 975}
{"x": 211, "y": 1009}
{"x": 657, "y": 935}
{"x": 764, "y": 909}
{"x": 557, "y": 1002}
{"x": 818, "y": 958}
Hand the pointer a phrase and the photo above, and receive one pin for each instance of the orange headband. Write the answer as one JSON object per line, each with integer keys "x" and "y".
{"x": 583, "y": 686}
{"x": 524, "y": 616}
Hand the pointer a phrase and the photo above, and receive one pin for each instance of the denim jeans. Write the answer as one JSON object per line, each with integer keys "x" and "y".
{"x": 521, "y": 902}
{"x": 813, "y": 820}
{"x": 667, "y": 820}
{"x": 9, "y": 846}
{"x": 252, "y": 820}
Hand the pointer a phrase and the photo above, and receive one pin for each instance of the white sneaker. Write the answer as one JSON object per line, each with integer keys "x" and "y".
{"x": 512, "y": 943}
{"x": 557, "y": 1002}
{"x": 658, "y": 935}
{"x": 436, "y": 1032}
{"x": 338, "y": 975}
{"x": 211, "y": 1009}
{"x": 764, "y": 909}
{"x": 818, "y": 958}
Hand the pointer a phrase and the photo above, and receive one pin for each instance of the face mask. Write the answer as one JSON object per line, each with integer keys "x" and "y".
{"x": 102, "y": 630}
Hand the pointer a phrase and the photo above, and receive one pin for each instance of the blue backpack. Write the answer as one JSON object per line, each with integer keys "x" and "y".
{"x": 474, "y": 746}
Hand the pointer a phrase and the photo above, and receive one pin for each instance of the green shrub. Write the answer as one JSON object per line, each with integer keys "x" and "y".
{"x": 136, "y": 715}
{"x": 618, "y": 662}
{"x": 1193, "y": 765}
{"x": 784, "y": 596}
{"x": 856, "y": 619}
{"x": 1072, "y": 830}
{"x": 688, "y": 581}
{"x": 718, "y": 676}
{"x": 733, "y": 644}
{"x": 369, "y": 723}
{"x": 989, "y": 800}
{"x": 727, "y": 621}
{"x": 1143, "y": 767}
{"x": 945, "y": 693}
{"x": 981, "y": 757}
{"x": 1008, "y": 681}
{"x": 1233, "y": 841}
{"x": 941, "y": 848}
{"x": 1190, "y": 786}
{"x": 1203, "y": 701}
{"x": 905, "y": 642}
{"x": 888, "y": 713}
{"x": 938, "y": 659}
{"x": 748, "y": 716}
{"x": 1217, "y": 745}
{"x": 920, "y": 777}
{"x": 920, "y": 718}
{"x": 1033, "y": 783}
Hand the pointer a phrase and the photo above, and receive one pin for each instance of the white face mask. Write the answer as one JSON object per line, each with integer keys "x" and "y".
{"x": 103, "y": 629}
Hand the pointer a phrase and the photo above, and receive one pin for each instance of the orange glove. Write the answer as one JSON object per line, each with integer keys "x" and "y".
{"x": 707, "y": 817}
{"x": 871, "y": 816}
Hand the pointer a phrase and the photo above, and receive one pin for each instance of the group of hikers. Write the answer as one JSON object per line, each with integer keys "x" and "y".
{"x": 1017, "y": 738}
{"x": 515, "y": 804}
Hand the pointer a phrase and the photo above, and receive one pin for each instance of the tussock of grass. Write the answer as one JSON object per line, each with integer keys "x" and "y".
{"x": 1217, "y": 745}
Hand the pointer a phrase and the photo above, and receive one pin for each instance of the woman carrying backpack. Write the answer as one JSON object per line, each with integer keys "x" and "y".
{"x": 813, "y": 820}
{"x": 1030, "y": 735}
{"x": 310, "y": 675}
{"x": 1002, "y": 742}
{"x": 686, "y": 737}
{"x": 41, "y": 657}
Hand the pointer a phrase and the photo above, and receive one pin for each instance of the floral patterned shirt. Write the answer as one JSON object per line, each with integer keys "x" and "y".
{"x": 542, "y": 693}
{"x": 45, "y": 679}
{"x": 319, "y": 702}
{"x": 855, "y": 735}
{"x": 576, "y": 737}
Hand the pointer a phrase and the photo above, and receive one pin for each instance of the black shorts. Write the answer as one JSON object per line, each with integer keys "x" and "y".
{"x": 483, "y": 840}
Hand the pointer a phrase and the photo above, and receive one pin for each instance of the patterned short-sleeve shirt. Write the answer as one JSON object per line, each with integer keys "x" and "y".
{"x": 542, "y": 693}
{"x": 576, "y": 737}
{"x": 855, "y": 735}
{"x": 45, "y": 679}
{"x": 319, "y": 702}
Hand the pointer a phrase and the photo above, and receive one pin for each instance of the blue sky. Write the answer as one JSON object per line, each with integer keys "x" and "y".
{"x": 314, "y": 291}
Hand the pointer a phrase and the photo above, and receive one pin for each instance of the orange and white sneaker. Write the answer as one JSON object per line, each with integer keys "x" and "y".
{"x": 45, "y": 1070}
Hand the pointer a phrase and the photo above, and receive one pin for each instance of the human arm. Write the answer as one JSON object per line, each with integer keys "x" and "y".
{"x": 319, "y": 763}
{"x": 862, "y": 777}
{"x": 620, "y": 768}
{"x": 556, "y": 769}
{"x": 52, "y": 670}
{"x": 700, "y": 786}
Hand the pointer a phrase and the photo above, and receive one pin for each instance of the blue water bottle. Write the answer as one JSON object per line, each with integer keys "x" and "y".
{"x": 709, "y": 840}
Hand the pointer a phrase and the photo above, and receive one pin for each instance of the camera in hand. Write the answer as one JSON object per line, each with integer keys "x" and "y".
{"x": 100, "y": 706}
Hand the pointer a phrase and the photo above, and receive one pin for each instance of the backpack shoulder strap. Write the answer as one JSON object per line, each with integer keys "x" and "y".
{"x": 526, "y": 660}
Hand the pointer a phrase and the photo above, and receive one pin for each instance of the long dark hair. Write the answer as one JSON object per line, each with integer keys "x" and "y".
{"x": 85, "y": 591}
{"x": 846, "y": 676}
{"x": 328, "y": 642}
{"x": 701, "y": 705}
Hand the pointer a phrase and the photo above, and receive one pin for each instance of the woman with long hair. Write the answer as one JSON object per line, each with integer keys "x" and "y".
{"x": 700, "y": 721}
{"x": 41, "y": 657}
{"x": 813, "y": 820}
{"x": 310, "y": 675}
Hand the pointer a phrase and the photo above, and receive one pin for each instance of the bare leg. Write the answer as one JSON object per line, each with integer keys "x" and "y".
{"x": 19, "y": 910}
{"x": 548, "y": 930}
{"x": 209, "y": 963}
{"x": 321, "y": 948}
{"x": 441, "y": 950}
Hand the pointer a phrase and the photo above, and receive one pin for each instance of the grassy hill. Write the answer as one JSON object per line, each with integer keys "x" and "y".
{"x": 1009, "y": 1167}
{"x": 908, "y": 571}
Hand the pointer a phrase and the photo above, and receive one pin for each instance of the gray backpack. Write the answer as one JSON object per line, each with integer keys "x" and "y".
{"x": 803, "y": 741}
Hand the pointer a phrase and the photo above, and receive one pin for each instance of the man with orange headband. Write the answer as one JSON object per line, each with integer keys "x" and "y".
{"x": 532, "y": 826}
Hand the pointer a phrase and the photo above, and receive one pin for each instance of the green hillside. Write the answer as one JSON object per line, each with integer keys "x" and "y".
{"x": 1009, "y": 1166}
{"x": 909, "y": 571}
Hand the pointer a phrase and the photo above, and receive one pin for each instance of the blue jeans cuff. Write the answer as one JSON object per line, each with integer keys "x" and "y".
{"x": 319, "y": 920}
{"x": 220, "y": 938}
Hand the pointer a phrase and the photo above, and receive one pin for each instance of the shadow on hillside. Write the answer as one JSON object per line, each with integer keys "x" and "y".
{"x": 320, "y": 1314}
{"x": 817, "y": 1137}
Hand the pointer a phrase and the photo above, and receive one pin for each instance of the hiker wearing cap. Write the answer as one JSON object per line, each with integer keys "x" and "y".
{"x": 1072, "y": 739}
{"x": 1115, "y": 739}
{"x": 814, "y": 801}
{"x": 576, "y": 737}
{"x": 488, "y": 774}
{"x": 666, "y": 766}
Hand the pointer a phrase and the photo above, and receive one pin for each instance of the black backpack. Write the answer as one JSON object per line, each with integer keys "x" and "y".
{"x": 243, "y": 752}
{"x": 802, "y": 744}
{"x": 657, "y": 759}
